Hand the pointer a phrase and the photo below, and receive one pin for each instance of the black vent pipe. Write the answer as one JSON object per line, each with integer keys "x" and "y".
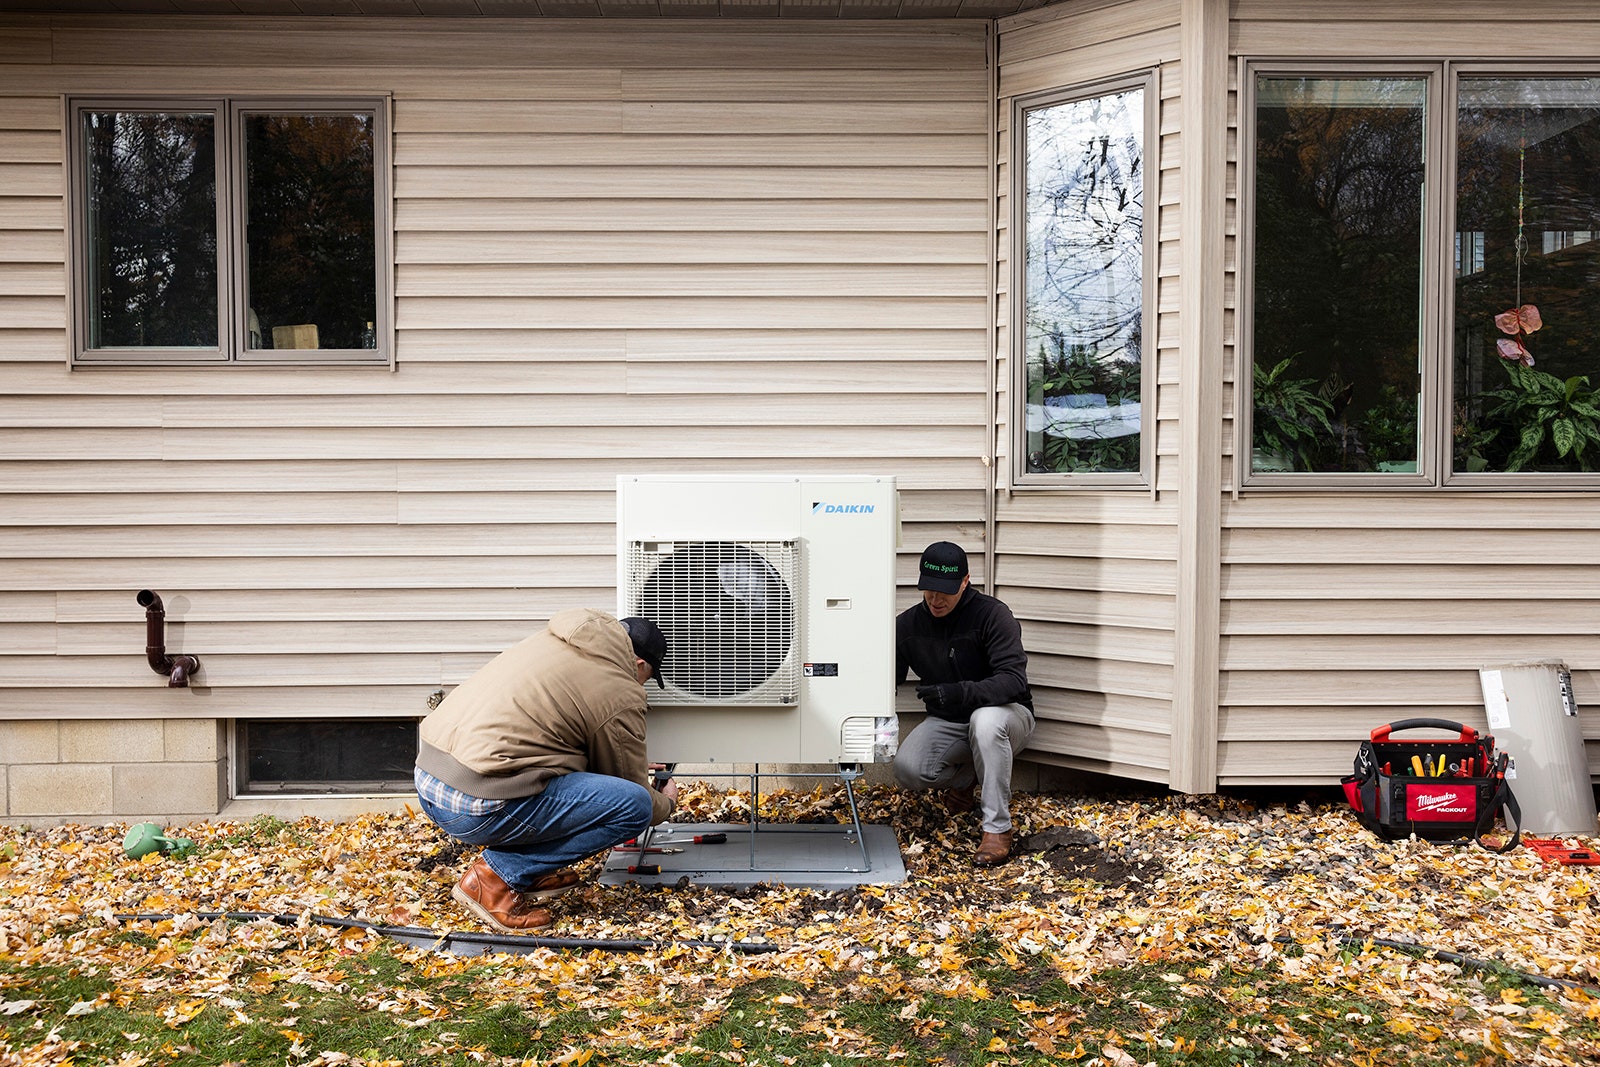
{"x": 177, "y": 668}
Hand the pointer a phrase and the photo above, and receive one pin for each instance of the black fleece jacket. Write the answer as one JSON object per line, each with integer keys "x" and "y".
{"x": 978, "y": 645}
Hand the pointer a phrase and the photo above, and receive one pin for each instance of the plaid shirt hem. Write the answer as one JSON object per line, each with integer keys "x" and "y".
{"x": 449, "y": 798}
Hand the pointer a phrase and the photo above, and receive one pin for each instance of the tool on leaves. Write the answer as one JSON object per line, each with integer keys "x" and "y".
{"x": 1553, "y": 850}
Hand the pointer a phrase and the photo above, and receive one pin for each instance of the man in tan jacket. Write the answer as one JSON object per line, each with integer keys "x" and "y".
{"x": 540, "y": 758}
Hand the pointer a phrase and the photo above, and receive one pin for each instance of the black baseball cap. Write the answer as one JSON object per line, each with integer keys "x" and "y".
{"x": 943, "y": 566}
{"x": 649, "y": 644}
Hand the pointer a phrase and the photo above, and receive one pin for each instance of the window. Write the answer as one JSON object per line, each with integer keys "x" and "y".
{"x": 1081, "y": 284}
{"x": 229, "y": 231}
{"x": 1423, "y": 277}
{"x": 290, "y": 756}
{"x": 1338, "y": 308}
{"x": 1526, "y": 323}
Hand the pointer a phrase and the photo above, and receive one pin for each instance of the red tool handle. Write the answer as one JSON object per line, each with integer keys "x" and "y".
{"x": 699, "y": 839}
{"x": 1381, "y": 733}
{"x": 647, "y": 868}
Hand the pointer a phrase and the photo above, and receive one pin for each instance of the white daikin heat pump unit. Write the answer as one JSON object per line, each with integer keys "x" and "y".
{"x": 776, "y": 594}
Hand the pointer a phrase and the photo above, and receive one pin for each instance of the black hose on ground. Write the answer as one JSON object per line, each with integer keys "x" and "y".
{"x": 1471, "y": 962}
{"x": 458, "y": 943}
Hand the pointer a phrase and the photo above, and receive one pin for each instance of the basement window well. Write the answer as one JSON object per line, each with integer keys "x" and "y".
{"x": 316, "y": 757}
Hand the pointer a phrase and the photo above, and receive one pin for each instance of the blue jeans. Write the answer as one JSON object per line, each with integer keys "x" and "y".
{"x": 577, "y": 815}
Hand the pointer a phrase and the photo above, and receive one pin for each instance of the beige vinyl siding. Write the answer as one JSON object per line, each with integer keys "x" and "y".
{"x": 1463, "y": 29}
{"x": 1342, "y": 611}
{"x": 1092, "y": 574}
{"x": 620, "y": 248}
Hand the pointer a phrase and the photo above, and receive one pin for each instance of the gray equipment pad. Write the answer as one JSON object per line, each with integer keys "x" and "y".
{"x": 801, "y": 856}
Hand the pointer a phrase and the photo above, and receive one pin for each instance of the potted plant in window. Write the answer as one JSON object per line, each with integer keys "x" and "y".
{"x": 1391, "y": 431}
{"x": 1540, "y": 422}
{"x": 1291, "y": 420}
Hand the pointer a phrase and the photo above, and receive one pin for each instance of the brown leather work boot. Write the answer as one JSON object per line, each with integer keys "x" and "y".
{"x": 484, "y": 894}
{"x": 547, "y": 886}
{"x": 993, "y": 849}
{"x": 959, "y": 801}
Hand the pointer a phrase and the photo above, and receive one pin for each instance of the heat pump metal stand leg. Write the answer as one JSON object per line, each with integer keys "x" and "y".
{"x": 848, "y": 773}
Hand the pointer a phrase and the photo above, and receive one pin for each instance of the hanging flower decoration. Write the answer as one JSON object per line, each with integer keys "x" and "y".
{"x": 1522, "y": 320}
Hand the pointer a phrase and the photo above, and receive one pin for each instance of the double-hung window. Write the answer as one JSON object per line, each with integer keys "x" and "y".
{"x": 229, "y": 231}
{"x": 1422, "y": 276}
{"x": 1081, "y": 281}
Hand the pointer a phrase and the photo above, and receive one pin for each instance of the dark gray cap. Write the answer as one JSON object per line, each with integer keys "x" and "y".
{"x": 649, "y": 644}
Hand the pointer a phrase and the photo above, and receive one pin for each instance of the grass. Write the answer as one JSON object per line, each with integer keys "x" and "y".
{"x": 262, "y": 831}
{"x": 1222, "y": 1014}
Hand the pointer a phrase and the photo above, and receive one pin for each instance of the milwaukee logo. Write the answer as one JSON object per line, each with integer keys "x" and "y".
{"x": 1451, "y": 803}
{"x": 822, "y": 507}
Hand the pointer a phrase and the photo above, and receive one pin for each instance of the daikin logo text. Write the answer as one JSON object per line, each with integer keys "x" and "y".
{"x": 822, "y": 507}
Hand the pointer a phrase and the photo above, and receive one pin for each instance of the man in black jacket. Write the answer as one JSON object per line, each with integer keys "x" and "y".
{"x": 966, "y": 649}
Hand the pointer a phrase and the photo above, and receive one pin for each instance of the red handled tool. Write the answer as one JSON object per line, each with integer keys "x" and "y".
{"x": 698, "y": 839}
{"x": 1552, "y": 850}
{"x": 703, "y": 839}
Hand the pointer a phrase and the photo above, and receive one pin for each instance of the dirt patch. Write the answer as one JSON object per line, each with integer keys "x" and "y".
{"x": 448, "y": 856}
{"x": 1078, "y": 854}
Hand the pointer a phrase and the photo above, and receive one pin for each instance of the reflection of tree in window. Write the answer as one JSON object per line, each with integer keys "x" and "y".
{"x": 152, "y": 238}
{"x": 311, "y": 235}
{"x": 1083, "y": 304}
{"x": 1528, "y": 179}
{"x": 1338, "y": 265}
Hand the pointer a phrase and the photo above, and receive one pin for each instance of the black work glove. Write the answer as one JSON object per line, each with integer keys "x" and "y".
{"x": 942, "y": 696}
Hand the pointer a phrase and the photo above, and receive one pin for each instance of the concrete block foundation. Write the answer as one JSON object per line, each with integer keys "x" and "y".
{"x": 112, "y": 770}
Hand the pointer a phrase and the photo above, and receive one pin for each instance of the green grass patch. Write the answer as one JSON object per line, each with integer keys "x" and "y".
{"x": 1227, "y": 1014}
{"x": 261, "y": 832}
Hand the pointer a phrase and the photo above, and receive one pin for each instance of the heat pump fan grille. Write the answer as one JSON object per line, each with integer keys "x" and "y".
{"x": 729, "y": 612}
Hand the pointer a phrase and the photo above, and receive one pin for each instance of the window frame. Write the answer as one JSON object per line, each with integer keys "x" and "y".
{"x": 1436, "y": 354}
{"x": 241, "y": 786}
{"x": 1449, "y": 99}
{"x": 229, "y": 114}
{"x": 1146, "y": 80}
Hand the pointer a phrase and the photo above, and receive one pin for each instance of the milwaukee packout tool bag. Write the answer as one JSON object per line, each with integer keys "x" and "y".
{"x": 1443, "y": 790}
